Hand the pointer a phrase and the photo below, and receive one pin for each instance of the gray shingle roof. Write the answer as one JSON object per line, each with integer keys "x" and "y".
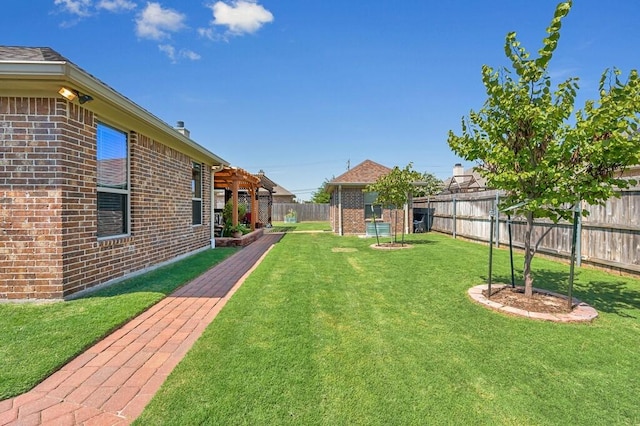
{"x": 18, "y": 53}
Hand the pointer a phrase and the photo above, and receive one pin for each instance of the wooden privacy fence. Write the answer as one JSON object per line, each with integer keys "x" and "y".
{"x": 609, "y": 237}
{"x": 304, "y": 212}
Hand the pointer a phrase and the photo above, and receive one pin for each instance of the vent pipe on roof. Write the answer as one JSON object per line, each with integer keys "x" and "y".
{"x": 180, "y": 128}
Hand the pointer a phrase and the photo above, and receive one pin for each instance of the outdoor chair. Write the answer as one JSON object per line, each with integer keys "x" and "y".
{"x": 419, "y": 226}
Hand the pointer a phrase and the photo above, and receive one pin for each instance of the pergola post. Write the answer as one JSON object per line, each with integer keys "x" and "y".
{"x": 270, "y": 207}
{"x": 234, "y": 201}
{"x": 254, "y": 207}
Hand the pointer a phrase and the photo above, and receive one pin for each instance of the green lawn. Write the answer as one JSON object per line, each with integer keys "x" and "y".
{"x": 328, "y": 331}
{"x": 37, "y": 339}
{"x": 309, "y": 226}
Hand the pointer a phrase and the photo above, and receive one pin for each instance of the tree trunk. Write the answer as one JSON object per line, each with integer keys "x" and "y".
{"x": 404, "y": 225}
{"x": 528, "y": 256}
{"x": 395, "y": 224}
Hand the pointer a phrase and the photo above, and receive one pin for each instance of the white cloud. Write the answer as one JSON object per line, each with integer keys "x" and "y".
{"x": 206, "y": 32}
{"x": 169, "y": 50}
{"x": 75, "y": 7}
{"x": 173, "y": 54}
{"x": 239, "y": 16}
{"x": 157, "y": 23}
{"x": 189, "y": 54}
{"x": 116, "y": 5}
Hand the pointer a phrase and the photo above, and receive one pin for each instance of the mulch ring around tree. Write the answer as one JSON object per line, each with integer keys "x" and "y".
{"x": 391, "y": 246}
{"x": 543, "y": 305}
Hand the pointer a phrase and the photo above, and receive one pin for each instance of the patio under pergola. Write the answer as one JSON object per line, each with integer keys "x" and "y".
{"x": 236, "y": 181}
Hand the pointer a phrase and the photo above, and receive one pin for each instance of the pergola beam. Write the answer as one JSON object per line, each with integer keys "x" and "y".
{"x": 235, "y": 179}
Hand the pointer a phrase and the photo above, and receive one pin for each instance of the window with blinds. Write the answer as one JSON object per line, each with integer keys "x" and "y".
{"x": 370, "y": 206}
{"x": 196, "y": 194}
{"x": 113, "y": 182}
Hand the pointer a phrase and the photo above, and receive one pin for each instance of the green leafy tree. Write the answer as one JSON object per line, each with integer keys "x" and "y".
{"x": 526, "y": 143}
{"x": 227, "y": 217}
{"x": 428, "y": 184}
{"x": 321, "y": 196}
{"x": 394, "y": 190}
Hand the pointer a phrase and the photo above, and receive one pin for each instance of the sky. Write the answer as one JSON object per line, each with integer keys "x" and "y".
{"x": 305, "y": 89}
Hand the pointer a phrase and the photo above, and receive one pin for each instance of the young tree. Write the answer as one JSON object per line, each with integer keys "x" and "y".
{"x": 527, "y": 145}
{"x": 321, "y": 196}
{"x": 394, "y": 190}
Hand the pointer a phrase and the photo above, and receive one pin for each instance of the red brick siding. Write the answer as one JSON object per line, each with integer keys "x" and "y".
{"x": 31, "y": 199}
{"x": 79, "y": 214}
{"x": 353, "y": 221}
{"x": 49, "y": 246}
{"x": 30, "y": 244}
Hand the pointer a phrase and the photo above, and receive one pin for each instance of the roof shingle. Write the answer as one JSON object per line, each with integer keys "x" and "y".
{"x": 366, "y": 172}
{"x": 19, "y": 53}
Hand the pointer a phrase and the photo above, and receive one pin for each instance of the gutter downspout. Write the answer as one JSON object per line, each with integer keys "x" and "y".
{"x": 212, "y": 203}
{"x": 341, "y": 233}
{"x": 406, "y": 218}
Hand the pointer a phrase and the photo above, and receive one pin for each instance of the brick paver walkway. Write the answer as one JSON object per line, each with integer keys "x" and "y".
{"x": 112, "y": 382}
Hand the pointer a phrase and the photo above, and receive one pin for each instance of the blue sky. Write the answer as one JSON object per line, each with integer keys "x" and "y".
{"x": 301, "y": 89}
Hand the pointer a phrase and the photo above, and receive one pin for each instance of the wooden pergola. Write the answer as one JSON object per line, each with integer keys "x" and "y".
{"x": 268, "y": 185}
{"x": 234, "y": 179}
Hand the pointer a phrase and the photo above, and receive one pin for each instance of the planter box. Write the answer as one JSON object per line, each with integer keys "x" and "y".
{"x": 290, "y": 220}
{"x": 243, "y": 241}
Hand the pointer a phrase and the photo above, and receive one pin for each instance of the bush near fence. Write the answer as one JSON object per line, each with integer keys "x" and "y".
{"x": 609, "y": 237}
{"x": 304, "y": 212}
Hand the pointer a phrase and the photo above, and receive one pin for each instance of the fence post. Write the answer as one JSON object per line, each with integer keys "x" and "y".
{"x": 454, "y": 216}
{"x": 490, "y": 253}
{"x": 495, "y": 207}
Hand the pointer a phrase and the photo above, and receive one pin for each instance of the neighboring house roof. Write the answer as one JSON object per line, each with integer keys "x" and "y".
{"x": 270, "y": 185}
{"x": 112, "y": 173}
{"x": 633, "y": 172}
{"x": 469, "y": 181}
{"x": 41, "y": 71}
{"x": 363, "y": 174}
{"x": 282, "y": 192}
{"x": 266, "y": 184}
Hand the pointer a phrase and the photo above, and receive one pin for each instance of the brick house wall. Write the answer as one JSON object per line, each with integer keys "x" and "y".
{"x": 48, "y": 170}
{"x": 353, "y": 221}
{"x": 31, "y": 198}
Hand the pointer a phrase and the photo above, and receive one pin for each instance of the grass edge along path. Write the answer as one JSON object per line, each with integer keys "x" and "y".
{"x": 36, "y": 339}
{"x": 328, "y": 331}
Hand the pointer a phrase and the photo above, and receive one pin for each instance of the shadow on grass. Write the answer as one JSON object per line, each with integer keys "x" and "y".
{"x": 419, "y": 242}
{"x": 413, "y": 239}
{"x": 614, "y": 297}
{"x": 284, "y": 229}
{"x": 166, "y": 279}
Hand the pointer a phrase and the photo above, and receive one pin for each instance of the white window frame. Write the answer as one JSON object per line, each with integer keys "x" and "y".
{"x": 194, "y": 198}
{"x": 367, "y": 206}
{"x": 105, "y": 189}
